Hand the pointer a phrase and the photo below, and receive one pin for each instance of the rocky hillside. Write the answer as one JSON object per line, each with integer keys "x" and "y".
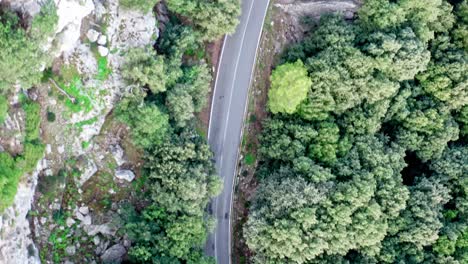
{"x": 88, "y": 48}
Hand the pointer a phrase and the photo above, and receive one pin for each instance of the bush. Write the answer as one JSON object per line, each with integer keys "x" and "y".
{"x": 3, "y": 109}
{"x": 21, "y": 51}
{"x": 51, "y": 117}
{"x": 149, "y": 125}
{"x": 144, "y": 67}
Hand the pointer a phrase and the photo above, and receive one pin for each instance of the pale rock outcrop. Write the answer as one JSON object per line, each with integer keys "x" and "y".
{"x": 126, "y": 175}
{"x": 114, "y": 254}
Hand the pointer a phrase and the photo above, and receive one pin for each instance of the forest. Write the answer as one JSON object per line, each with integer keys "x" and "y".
{"x": 364, "y": 158}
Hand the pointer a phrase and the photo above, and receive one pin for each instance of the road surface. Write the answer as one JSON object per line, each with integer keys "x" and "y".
{"x": 227, "y": 117}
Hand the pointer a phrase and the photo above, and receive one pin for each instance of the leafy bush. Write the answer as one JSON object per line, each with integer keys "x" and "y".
{"x": 3, "y": 109}
{"x": 21, "y": 51}
{"x": 144, "y": 68}
{"x": 149, "y": 125}
{"x": 51, "y": 117}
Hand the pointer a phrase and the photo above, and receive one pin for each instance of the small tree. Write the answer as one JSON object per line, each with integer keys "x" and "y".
{"x": 289, "y": 86}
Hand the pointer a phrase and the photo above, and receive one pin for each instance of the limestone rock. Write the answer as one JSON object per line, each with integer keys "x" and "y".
{"x": 114, "y": 254}
{"x": 104, "y": 229}
{"x": 126, "y": 175}
{"x": 92, "y": 35}
{"x": 118, "y": 154}
{"x": 84, "y": 210}
{"x": 70, "y": 221}
{"x": 103, "y": 51}
{"x": 71, "y": 250}
{"x": 102, "y": 40}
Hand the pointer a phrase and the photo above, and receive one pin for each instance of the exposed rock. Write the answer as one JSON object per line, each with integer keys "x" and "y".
{"x": 104, "y": 229}
{"x": 96, "y": 240}
{"x": 127, "y": 175}
{"x": 92, "y": 35}
{"x": 102, "y": 40}
{"x": 16, "y": 245}
{"x": 118, "y": 154}
{"x": 61, "y": 149}
{"x": 101, "y": 247}
{"x": 84, "y": 210}
{"x": 103, "y": 51}
{"x": 84, "y": 219}
{"x": 48, "y": 148}
{"x": 114, "y": 254}
{"x": 89, "y": 171}
{"x": 71, "y": 250}
{"x": 70, "y": 221}
{"x": 71, "y": 13}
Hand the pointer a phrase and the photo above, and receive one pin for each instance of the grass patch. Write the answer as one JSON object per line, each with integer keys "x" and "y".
{"x": 103, "y": 69}
{"x": 249, "y": 159}
{"x": 86, "y": 122}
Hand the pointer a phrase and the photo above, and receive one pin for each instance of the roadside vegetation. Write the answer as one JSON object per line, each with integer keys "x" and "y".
{"x": 168, "y": 86}
{"x": 369, "y": 165}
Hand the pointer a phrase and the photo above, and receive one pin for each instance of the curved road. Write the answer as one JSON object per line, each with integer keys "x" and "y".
{"x": 227, "y": 116}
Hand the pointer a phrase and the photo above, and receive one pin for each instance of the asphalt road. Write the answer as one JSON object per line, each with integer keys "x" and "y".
{"x": 227, "y": 117}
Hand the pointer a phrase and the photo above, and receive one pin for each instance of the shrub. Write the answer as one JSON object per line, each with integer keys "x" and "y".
{"x": 3, "y": 109}
{"x": 21, "y": 51}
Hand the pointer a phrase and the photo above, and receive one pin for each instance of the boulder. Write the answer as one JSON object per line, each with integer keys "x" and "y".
{"x": 92, "y": 35}
{"x": 84, "y": 210}
{"x": 71, "y": 250}
{"x": 103, "y": 51}
{"x": 70, "y": 221}
{"x": 102, "y": 40}
{"x": 127, "y": 175}
{"x": 104, "y": 229}
{"x": 114, "y": 254}
{"x": 118, "y": 154}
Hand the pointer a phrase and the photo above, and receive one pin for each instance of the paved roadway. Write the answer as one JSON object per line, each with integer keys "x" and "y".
{"x": 227, "y": 117}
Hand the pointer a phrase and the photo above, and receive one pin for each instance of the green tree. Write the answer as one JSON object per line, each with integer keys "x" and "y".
{"x": 149, "y": 125}
{"x": 21, "y": 51}
{"x": 145, "y": 68}
{"x": 211, "y": 18}
{"x": 289, "y": 87}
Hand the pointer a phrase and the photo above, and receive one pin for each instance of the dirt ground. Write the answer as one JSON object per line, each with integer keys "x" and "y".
{"x": 284, "y": 25}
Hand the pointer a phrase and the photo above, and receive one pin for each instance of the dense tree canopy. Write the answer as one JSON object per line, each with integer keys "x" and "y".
{"x": 372, "y": 167}
{"x": 211, "y": 18}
